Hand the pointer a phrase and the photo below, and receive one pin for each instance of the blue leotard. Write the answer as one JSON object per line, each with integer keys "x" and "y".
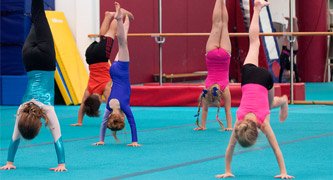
{"x": 121, "y": 90}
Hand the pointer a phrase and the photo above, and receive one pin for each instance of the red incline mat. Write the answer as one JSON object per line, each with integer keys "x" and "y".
{"x": 187, "y": 94}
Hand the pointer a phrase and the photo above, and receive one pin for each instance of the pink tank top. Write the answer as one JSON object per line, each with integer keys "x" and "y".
{"x": 254, "y": 100}
{"x": 217, "y": 62}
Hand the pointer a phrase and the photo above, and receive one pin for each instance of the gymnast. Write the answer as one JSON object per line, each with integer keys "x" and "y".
{"x": 284, "y": 75}
{"x": 119, "y": 99}
{"x": 257, "y": 98}
{"x": 97, "y": 57}
{"x": 218, "y": 49}
{"x": 39, "y": 61}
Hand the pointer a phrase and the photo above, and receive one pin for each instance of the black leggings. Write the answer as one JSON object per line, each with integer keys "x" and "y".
{"x": 38, "y": 49}
{"x": 99, "y": 51}
{"x": 251, "y": 74}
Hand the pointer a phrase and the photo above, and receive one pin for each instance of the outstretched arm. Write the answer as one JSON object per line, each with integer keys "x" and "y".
{"x": 130, "y": 118}
{"x": 228, "y": 156}
{"x": 80, "y": 113}
{"x": 268, "y": 131}
{"x": 14, "y": 143}
{"x": 54, "y": 127}
{"x": 103, "y": 128}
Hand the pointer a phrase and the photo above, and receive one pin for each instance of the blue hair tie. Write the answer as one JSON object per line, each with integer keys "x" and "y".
{"x": 204, "y": 92}
{"x": 215, "y": 89}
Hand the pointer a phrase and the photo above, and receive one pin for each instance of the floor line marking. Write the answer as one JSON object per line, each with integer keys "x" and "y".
{"x": 139, "y": 173}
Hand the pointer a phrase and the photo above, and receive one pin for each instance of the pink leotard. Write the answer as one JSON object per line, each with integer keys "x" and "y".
{"x": 254, "y": 100}
{"x": 217, "y": 62}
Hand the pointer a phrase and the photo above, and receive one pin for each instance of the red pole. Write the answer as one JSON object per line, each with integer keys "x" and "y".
{"x": 311, "y": 58}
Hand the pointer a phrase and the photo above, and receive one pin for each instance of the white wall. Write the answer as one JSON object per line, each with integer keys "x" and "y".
{"x": 83, "y": 19}
{"x": 280, "y": 9}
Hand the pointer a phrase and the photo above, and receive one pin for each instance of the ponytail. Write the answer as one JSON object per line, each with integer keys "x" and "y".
{"x": 213, "y": 95}
{"x": 217, "y": 117}
{"x": 203, "y": 95}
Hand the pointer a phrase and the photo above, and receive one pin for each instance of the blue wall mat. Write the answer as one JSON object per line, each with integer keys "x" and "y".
{"x": 13, "y": 89}
{"x": 15, "y": 20}
{"x": 48, "y": 5}
{"x": 23, "y": 6}
{"x": 14, "y": 29}
{"x": 13, "y": 6}
{"x": 11, "y": 61}
{"x": 0, "y": 90}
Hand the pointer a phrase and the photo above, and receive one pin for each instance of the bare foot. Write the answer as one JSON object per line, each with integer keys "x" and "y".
{"x": 259, "y": 4}
{"x": 200, "y": 129}
{"x": 284, "y": 109}
{"x": 129, "y": 14}
{"x": 99, "y": 143}
{"x": 76, "y": 124}
{"x": 109, "y": 14}
{"x": 118, "y": 15}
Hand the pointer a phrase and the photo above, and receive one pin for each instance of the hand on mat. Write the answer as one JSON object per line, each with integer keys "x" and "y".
{"x": 226, "y": 175}
{"x": 8, "y": 166}
{"x": 228, "y": 129}
{"x": 134, "y": 144}
{"x": 99, "y": 143}
{"x": 60, "y": 168}
{"x": 76, "y": 124}
{"x": 200, "y": 129}
{"x": 284, "y": 176}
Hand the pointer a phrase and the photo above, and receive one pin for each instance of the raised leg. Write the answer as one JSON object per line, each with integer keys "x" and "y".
{"x": 106, "y": 22}
{"x": 253, "y": 54}
{"x": 42, "y": 28}
{"x": 213, "y": 41}
{"x": 126, "y": 28}
{"x": 279, "y": 102}
{"x": 225, "y": 39}
{"x": 123, "y": 54}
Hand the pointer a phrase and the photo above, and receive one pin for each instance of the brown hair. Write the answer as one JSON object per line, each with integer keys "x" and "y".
{"x": 212, "y": 95}
{"x": 116, "y": 121}
{"x": 91, "y": 106}
{"x": 246, "y": 133}
{"x": 29, "y": 122}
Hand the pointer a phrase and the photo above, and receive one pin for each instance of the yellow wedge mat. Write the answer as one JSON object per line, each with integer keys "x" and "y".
{"x": 62, "y": 87}
{"x": 70, "y": 63}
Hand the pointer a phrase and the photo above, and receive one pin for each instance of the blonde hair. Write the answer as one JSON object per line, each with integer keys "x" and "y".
{"x": 210, "y": 96}
{"x": 246, "y": 133}
{"x": 116, "y": 122}
{"x": 29, "y": 122}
